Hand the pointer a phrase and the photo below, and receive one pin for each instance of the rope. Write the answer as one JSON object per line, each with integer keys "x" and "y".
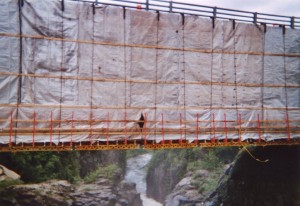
{"x": 61, "y": 68}
{"x": 263, "y": 79}
{"x": 95, "y": 132}
{"x": 168, "y": 121}
{"x": 150, "y": 108}
{"x": 147, "y": 81}
{"x": 251, "y": 155}
{"x": 235, "y": 72}
{"x": 92, "y": 62}
{"x": 184, "y": 72}
{"x": 125, "y": 65}
{"x": 19, "y": 91}
{"x": 146, "y": 46}
{"x": 285, "y": 88}
{"x": 212, "y": 137}
{"x": 223, "y": 73}
{"x": 156, "y": 71}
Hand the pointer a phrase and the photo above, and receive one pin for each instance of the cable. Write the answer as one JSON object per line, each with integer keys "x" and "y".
{"x": 251, "y": 155}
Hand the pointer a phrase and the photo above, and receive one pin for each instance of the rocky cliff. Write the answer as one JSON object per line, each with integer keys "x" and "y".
{"x": 265, "y": 176}
{"x": 91, "y": 160}
{"x": 62, "y": 193}
{"x": 99, "y": 179}
{"x": 165, "y": 170}
{"x": 37, "y": 167}
{"x": 186, "y": 176}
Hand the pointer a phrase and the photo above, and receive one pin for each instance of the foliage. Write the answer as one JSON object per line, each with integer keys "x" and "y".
{"x": 41, "y": 166}
{"x": 107, "y": 172}
{"x": 191, "y": 160}
{"x": 213, "y": 160}
{"x": 208, "y": 162}
{"x": 171, "y": 157}
{"x": 7, "y": 183}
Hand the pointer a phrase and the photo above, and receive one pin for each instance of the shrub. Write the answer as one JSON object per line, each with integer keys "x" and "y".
{"x": 106, "y": 172}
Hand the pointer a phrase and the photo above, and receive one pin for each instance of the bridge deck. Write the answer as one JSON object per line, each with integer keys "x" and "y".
{"x": 151, "y": 145}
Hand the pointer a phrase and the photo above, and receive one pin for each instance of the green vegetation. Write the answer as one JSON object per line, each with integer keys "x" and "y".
{"x": 7, "y": 183}
{"x": 73, "y": 166}
{"x": 213, "y": 160}
{"x": 41, "y": 166}
{"x": 209, "y": 161}
{"x": 175, "y": 163}
{"x": 106, "y": 172}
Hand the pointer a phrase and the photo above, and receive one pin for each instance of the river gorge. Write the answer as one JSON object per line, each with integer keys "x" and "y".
{"x": 136, "y": 171}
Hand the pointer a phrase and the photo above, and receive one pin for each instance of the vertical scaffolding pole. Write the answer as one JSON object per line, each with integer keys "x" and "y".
{"x": 91, "y": 129}
{"x": 145, "y": 129}
{"x": 214, "y": 129}
{"x": 107, "y": 128}
{"x": 288, "y": 126}
{"x": 225, "y": 128}
{"x": 51, "y": 128}
{"x": 72, "y": 128}
{"x": 258, "y": 128}
{"x": 33, "y": 131}
{"x": 180, "y": 129}
{"x": 162, "y": 128}
{"x": 240, "y": 127}
{"x": 125, "y": 129}
{"x": 10, "y": 130}
{"x": 197, "y": 128}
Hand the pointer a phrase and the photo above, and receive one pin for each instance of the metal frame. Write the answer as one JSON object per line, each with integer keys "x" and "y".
{"x": 99, "y": 138}
{"x": 151, "y": 145}
{"x": 203, "y": 11}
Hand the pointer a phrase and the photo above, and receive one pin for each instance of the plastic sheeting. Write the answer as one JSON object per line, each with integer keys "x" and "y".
{"x": 117, "y": 64}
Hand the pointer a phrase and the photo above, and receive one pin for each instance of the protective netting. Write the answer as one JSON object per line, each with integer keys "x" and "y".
{"x": 77, "y": 75}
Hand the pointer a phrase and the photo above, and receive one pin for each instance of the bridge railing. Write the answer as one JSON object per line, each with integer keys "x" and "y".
{"x": 204, "y": 11}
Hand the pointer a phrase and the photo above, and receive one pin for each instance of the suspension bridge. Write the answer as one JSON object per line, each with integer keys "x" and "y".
{"x": 153, "y": 74}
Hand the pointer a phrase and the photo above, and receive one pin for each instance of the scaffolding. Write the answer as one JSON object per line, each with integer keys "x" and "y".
{"x": 81, "y": 75}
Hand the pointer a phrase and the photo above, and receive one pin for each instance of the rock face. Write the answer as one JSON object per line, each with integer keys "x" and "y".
{"x": 102, "y": 192}
{"x": 53, "y": 192}
{"x": 251, "y": 182}
{"x": 127, "y": 194}
{"x": 163, "y": 176}
{"x": 91, "y": 160}
{"x": 185, "y": 193}
{"x": 6, "y": 174}
{"x": 61, "y": 193}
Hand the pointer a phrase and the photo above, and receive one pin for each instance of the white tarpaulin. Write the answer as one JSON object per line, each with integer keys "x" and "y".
{"x": 75, "y": 75}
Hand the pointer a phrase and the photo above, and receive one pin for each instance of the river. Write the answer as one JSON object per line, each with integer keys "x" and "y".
{"x": 136, "y": 172}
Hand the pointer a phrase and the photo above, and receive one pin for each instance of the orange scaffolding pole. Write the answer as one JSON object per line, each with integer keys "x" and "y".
{"x": 107, "y": 128}
{"x": 225, "y": 128}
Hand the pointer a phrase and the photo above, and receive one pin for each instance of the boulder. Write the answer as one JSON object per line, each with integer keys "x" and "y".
{"x": 127, "y": 191}
{"x": 184, "y": 192}
{"x": 103, "y": 192}
{"x": 6, "y": 174}
{"x": 62, "y": 193}
{"x": 54, "y": 192}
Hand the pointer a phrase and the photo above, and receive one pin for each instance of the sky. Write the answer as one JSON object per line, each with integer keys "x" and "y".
{"x": 279, "y": 7}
